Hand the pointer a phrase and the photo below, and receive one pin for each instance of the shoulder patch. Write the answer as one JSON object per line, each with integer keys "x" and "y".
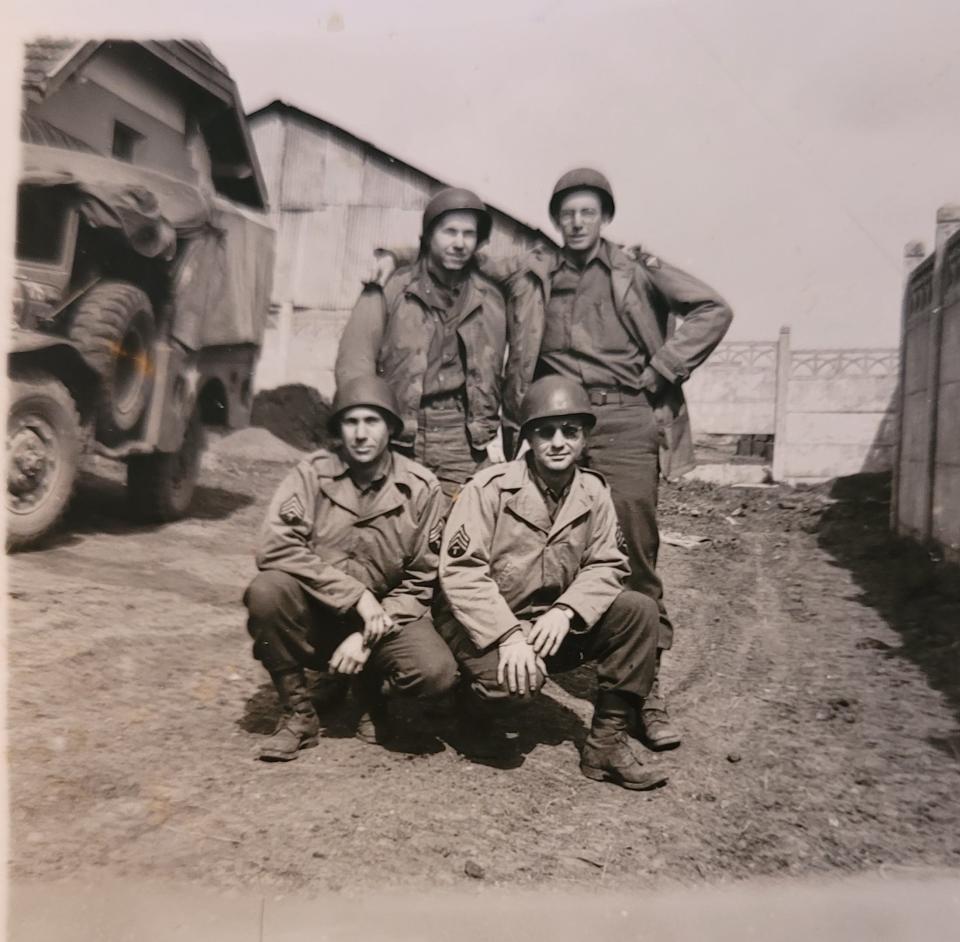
{"x": 650, "y": 261}
{"x": 459, "y": 543}
{"x": 291, "y": 510}
{"x": 436, "y": 534}
{"x": 621, "y": 539}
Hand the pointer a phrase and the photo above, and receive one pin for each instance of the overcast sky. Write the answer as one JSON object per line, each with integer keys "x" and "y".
{"x": 783, "y": 151}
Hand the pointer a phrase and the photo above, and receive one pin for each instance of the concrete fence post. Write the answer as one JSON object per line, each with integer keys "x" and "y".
{"x": 948, "y": 222}
{"x": 914, "y": 253}
{"x": 780, "y": 455}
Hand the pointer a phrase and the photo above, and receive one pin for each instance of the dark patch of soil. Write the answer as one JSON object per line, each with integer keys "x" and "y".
{"x": 296, "y": 414}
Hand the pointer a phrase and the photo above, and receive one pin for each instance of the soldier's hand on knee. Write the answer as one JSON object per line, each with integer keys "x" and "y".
{"x": 518, "y": 666}
{"x": 549, "y": 630}
{"x": 376, "y": 622}
{"x": 350, "y": 656}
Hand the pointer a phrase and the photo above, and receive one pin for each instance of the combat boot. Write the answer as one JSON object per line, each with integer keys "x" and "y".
{"x": 374, "y": 725}
{"x": 606, "y": 755}
{"x": 299, "y": 726}
{"x": 652, "y": 724}
{"x": 479, "y": 733}
{"x": 326, "y": 690}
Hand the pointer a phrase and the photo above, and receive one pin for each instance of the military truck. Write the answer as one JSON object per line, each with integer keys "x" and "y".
{"x": 139, "y": 306}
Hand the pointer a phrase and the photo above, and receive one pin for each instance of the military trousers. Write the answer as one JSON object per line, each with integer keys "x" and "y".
{"x": 292, "y": 630}
{"x": 624, "y": 447}
{"x": 443, "y": 444}
{"x": 623, "y": 643}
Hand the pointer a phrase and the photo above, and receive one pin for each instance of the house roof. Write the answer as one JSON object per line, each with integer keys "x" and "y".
{"x": 283, "y": 108}
{"x": 49, "y": 62}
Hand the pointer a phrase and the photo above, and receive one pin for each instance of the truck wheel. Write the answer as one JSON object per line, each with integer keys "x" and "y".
{"x": 113, "y": 327}
{"x": 160, "y": 486}
{"x": 43, "y": 451}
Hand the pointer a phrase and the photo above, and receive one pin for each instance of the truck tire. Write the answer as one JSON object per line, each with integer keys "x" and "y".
{"x": 43, "y": 452}
{"x": 114, "y": 328}
{"x": 160, "y": 486}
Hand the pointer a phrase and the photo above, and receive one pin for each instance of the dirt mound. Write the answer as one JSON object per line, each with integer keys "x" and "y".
{"x": 296, "y": 414}
{"x": 255, "y": 444}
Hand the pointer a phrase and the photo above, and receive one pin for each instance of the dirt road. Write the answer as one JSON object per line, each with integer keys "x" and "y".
{"x": 816, "y": 677}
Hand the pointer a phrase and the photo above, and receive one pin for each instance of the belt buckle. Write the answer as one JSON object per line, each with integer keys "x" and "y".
{"x": 603, "y": 397}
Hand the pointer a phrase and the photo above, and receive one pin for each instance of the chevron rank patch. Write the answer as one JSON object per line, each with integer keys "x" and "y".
{"x": 291, "y": 510}
{"x": 434, "y": 538}
{"x": 459, "y": 543}
{"x": 621, "y": 539}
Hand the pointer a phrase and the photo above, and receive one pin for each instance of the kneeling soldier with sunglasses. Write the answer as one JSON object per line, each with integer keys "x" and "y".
{"x": 532, "y": 568}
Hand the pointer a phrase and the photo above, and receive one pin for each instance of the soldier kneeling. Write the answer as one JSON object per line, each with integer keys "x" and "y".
{"x": 532, "y": 576}
{"x": 348, "y": 560}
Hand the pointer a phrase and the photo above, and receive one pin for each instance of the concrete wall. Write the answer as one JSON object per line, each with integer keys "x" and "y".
{"x": 838, "y": 415}
{"x": 333, "y": 200}
{"x": 735, "y": 391}
{"x": 831, "y": 412}
{"x": 926, "y": 493}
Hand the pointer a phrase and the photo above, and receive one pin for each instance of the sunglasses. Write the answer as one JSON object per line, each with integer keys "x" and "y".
{"x": 547, "y": 430}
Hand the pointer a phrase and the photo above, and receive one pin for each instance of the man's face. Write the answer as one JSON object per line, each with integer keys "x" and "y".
{"x": 557, "y": 443}
{"x": 365, "y": 435}
{"x": 453, "y": 240}
{"x": 581, "y": 219}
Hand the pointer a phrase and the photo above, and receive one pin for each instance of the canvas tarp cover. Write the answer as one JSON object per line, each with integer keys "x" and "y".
{"x": 224, "y": 255}
{"x": 223, "y": 280}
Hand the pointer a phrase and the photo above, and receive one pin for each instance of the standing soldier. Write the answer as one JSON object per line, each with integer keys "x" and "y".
{"x": 631, "y": 329}
{"x": 436, "y": 333}
{"x": 348, "y": 564}
{"x": 532, "y": 578}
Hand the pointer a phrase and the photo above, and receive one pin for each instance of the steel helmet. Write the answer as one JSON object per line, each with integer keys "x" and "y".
{"x": 451, "y": 200}
{"x": 554, "y": 396}
{"x": 583, "y": 178}
{"x": 370, "y": 391}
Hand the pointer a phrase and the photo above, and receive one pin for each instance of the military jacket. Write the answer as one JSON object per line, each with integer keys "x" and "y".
{"x": 503, "y": 563}
{"x": 389, "y": 334}
{"x": 649, "y": 296}
{"x": 675, "y": 318}
{"x": 316, "y": 532}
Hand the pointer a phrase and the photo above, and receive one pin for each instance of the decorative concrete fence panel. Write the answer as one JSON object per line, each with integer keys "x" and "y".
{"x": 832, "y": 412}
{"x": 838, "y": 414}
{"x": 735, "y": 391}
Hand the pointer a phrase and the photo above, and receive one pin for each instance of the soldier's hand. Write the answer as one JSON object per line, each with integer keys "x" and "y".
{"x": 653, "y": 381}
{"x": 518, "y": 666}
{"x": 376, "y": 622}
{"x": 350, "y": 656}
{"x": 383, "y": 265}
{"x": 494, "y": 450}
{"x": 548, "y": 632}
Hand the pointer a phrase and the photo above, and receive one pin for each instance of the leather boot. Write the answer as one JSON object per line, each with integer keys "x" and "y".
{"x": 374, "y": 725}
{"x": 606, "y": 755}
{"x": 299, "y": 726}
{"x": 326, "y": 690}
{"x": 652, "y": 726}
